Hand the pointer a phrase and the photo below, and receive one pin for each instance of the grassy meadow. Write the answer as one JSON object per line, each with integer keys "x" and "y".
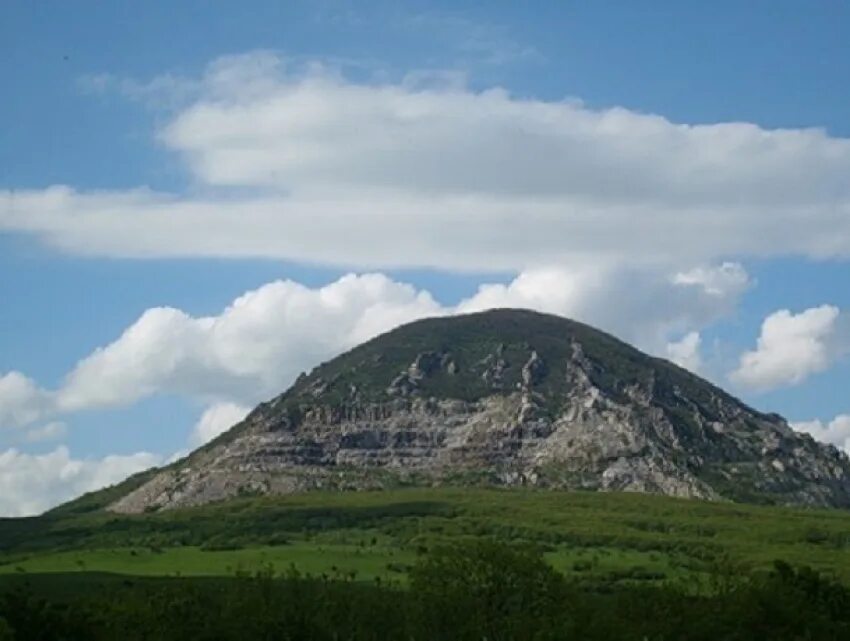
{"x": 592, "y": 537}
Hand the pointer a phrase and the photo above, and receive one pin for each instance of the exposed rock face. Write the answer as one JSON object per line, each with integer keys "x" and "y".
{"x": 505, "y": 397}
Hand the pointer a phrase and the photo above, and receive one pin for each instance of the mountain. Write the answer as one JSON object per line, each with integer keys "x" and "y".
{"x": 504, "y": 397}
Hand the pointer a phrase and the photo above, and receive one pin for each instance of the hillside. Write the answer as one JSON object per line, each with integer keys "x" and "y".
{"x": 504, "y": 397}
{"x": 317, "y": 566}
{"x": 592, "y": 536}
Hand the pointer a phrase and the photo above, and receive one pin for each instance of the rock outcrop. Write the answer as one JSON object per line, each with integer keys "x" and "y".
{"x": 506, "y": 397}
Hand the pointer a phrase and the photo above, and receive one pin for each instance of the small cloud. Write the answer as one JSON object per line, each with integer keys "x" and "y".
{"x": 22, "y": 402}
{"x": 216, "y": 420}
{"x": 50, "y": 432}
{"x": 790, "y": 348}
{"x": 686, "y": 352}
{"x": 721, "y": 280}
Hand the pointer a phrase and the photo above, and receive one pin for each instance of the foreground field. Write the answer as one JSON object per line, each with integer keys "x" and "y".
{"x": 466, "y": 591}
{"x": 593, "y": 537}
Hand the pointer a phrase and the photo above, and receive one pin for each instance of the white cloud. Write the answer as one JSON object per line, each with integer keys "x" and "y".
{"x": 790, "y": 348}
{"x": 52, "y": 431}
{"x": 686, "y": 352}
{"x": 30, "y": 484}
{"x": 162, "y": 347}
{"x": 215, "y": 420}
{"x": 643, "y": 306}
{"x": 836, "y": 431}
{"x": 22, "y": 402}
{"x": 253, "y": 349}
{"x": 721, "y": 281}
{"x": 453, "y": 178}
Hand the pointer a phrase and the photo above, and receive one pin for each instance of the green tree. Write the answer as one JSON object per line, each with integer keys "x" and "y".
{"x": 488, "y": 590}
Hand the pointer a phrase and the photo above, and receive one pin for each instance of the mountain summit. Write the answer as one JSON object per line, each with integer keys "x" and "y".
{"x": 504, "y": 397}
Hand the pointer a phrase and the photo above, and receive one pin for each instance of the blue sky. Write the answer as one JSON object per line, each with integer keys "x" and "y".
{"x": 674, "y": 172}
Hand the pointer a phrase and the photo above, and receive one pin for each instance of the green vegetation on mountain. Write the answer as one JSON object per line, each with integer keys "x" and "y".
{"x": 458, "y": 351}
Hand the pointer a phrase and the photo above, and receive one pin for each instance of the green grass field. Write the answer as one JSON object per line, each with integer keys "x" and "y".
{"x": 311, "y": 558}
{"x": 590, "y": 536}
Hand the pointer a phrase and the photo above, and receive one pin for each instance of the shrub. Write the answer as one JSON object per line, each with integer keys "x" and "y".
{"x": 487, "y": 590}
{"x": 6, "y": 632}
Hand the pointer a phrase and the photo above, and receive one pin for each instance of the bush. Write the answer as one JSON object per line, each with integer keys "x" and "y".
{"x": 6, "y": 632}
{"x": 487, "y": 590}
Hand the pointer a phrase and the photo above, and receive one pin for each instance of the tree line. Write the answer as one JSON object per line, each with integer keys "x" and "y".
{"x": 475, "y": 591}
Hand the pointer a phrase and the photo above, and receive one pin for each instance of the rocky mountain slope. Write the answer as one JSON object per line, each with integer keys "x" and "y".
{"x": 505, "y": 397}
